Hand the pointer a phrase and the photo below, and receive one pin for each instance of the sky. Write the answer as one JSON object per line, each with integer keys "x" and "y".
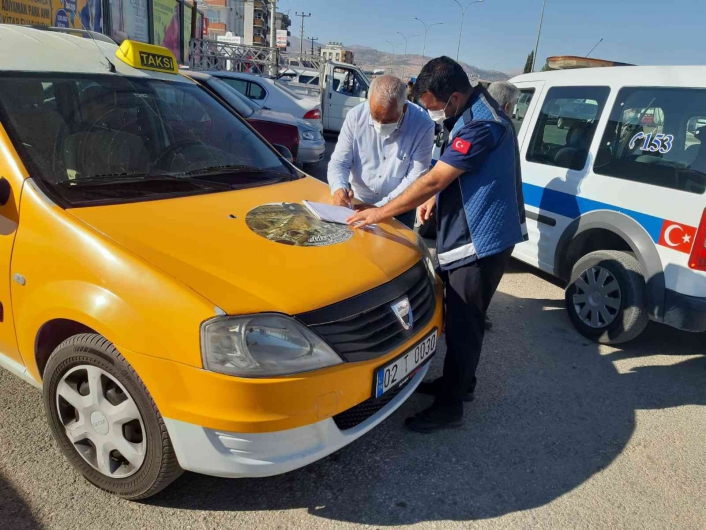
{"x": 498, "y": 34}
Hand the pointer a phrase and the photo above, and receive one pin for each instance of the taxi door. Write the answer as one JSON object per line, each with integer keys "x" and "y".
{"x": 11, "y": 182}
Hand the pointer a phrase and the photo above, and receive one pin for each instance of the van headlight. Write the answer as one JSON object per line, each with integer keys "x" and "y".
{"x": 427, "y": 257}
{"x": 263, "y": 345}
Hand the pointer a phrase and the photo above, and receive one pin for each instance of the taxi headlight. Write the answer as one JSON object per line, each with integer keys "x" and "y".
{"x": 262, "y": 345}
{"x": 427, "y": 257}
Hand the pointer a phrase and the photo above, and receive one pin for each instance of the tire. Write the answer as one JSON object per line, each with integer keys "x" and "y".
{"x": 137, "y": 428}
{"x": 599, "y": 310}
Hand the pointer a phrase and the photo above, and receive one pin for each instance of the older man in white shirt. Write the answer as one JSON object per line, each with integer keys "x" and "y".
{"x": 385, "y": 145}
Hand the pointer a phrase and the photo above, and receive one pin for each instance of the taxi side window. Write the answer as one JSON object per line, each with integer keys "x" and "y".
{"x": 655, "y": 136}
{"x": 566, "y": 126}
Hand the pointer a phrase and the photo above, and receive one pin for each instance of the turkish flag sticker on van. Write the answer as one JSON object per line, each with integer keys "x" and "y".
{"x": 677, "y": 236}
{"x": 461, "y": 145}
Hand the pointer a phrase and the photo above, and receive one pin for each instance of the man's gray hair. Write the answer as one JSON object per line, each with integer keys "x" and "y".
{"x": 503, "y": 92}
{"x": 389, "y": 90}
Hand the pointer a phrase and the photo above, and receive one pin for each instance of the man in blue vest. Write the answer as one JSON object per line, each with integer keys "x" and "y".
{"x": 476, "y": 188}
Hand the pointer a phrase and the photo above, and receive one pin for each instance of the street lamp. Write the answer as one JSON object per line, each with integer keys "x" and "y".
{"x": 405, "y": 41}
{"x": 539, "y": 32}
{"x": 463, "y": 14}
{"x": 393, "y": 53}
{"x": 426, "y": 30}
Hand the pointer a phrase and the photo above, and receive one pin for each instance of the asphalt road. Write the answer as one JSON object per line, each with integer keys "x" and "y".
{"x": 563, "y": 434}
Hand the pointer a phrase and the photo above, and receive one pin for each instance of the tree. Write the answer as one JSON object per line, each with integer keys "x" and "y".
{"x": 528, "y": 63}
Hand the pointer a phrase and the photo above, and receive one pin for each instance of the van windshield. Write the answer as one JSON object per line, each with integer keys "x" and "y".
{"x": 105, "y": 138}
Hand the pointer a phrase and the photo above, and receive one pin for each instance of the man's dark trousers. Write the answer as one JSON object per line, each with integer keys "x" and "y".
{"x": 469, "y": 290}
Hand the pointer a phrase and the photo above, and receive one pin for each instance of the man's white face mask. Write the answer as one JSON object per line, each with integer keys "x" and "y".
{"x": 439, "y": 116}
{"x": 386, "y": 129}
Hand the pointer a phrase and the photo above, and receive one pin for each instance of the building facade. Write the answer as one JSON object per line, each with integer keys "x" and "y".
{"x": 334, "y": 51}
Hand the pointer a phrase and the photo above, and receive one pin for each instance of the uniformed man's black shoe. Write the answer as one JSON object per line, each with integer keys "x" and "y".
{"x": 436, "y": 418}
{"x": 433, "y": 388}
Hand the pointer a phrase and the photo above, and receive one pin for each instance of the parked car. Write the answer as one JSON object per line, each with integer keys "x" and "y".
{"x": 615, "y": 203}
{"x": 277, "y": 128}
{"x": 273, "y": 96}
{"x": 522, "y": 104}
{"x": 167, "y": 291}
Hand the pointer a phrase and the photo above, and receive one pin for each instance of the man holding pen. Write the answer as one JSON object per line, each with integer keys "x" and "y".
{"x": 384, "y": 146}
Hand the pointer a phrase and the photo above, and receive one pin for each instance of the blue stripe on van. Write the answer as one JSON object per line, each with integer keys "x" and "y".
{"x": 570, "y": 206}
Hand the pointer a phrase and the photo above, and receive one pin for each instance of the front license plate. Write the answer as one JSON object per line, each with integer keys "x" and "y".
{"x": 404, "y": 367}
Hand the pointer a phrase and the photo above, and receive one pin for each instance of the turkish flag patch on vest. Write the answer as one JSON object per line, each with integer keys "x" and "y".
{"x": 461, "y": 145}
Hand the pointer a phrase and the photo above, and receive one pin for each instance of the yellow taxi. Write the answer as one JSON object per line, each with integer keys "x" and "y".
{"x": 167, "y": 289}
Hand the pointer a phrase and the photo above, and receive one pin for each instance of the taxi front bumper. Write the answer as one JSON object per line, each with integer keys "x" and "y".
{"x": 240, "y": 455}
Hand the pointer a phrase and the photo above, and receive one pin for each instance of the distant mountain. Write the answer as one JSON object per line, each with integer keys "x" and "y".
{"x": 396, "y": 64}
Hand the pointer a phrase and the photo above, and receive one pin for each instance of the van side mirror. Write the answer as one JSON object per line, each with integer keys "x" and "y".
{"x": 284, "y": 152}
{"x": 5, "y": 191}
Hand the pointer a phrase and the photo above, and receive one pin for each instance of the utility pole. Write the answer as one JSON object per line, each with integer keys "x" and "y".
{"x": 274, "y": 64}
{"x": 539, "y": 32}
{"x": 301, "y": 40}
{"x": 312, "y": 39}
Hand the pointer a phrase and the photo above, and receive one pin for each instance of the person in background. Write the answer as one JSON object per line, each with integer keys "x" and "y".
{"x": 410, "y": 90}
{"x": 506, "y": 94}
{"x": 384, "y": 146}
{"x": 476, "y": 187}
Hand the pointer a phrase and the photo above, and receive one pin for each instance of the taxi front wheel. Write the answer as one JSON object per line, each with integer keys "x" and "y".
{"x": 105, "y": 421}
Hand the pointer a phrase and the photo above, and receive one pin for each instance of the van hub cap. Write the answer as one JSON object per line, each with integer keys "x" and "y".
{"x": 597, "y": 299}
{"x": 102, "y": 421}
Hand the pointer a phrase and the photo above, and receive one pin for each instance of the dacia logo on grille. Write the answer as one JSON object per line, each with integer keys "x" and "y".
{"x": 403, "y": 311}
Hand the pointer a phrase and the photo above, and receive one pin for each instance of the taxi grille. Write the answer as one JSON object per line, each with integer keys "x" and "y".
{"x": 362, "y": 411}
{"x": 364, "y": 327}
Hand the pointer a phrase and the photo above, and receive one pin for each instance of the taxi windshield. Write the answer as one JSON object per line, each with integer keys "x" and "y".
{"x": 108, "y": 138}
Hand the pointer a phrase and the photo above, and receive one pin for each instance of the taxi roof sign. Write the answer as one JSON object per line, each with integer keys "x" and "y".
{"x": 147, "y": 57}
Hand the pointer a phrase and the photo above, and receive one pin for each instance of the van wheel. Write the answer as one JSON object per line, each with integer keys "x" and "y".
{"x": 607, "y": 297}
{"x": 105, "y": 421}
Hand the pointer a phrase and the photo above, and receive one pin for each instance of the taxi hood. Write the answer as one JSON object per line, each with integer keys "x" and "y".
{"x": 208, "y": 242}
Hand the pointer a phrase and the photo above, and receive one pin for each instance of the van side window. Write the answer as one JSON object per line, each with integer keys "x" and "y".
{"x": 566, "y": 126}
{"x": 523, "y": 103}
{"x": 349, "y": 83}
{"x": 655, "y": 136}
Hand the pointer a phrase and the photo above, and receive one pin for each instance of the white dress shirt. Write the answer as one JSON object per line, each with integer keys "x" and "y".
{"x": 377, "y": 168}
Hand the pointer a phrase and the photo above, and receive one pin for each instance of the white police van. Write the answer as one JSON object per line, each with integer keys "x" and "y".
{"x": 614, "y": 171}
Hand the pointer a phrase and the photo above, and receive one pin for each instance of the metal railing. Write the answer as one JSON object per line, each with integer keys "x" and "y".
{"x": 206, "y": 54}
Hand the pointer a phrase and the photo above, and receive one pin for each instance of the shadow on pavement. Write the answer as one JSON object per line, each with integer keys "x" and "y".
{"x": 551, "y": 412}
{"x": 14, "y": 513}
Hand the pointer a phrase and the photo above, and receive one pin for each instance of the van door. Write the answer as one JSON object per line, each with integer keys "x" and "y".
{"x": 555, "y": 147}
{"x": 346, "y": 87}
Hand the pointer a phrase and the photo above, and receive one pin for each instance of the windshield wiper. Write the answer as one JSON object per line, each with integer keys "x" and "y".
{"x": 108, "y": 179}
{"x": 234, "y": 168}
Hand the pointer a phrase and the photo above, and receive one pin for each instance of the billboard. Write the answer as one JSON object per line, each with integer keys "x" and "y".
{"x": 281, "y": 38}
{"x": 128, "y": 20}
{"x": 63, "y": 13}
{"x": 166, "y": 25}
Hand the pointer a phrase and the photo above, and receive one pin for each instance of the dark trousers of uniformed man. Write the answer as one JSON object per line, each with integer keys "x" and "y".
{"x": 469, "y": 290}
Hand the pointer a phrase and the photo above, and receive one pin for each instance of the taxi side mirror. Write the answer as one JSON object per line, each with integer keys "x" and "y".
{"x": 5, "y": 191}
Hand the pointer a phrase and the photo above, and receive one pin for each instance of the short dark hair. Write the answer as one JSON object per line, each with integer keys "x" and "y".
{"x": 441, "y": 77}
{"x": 410, "y": 84}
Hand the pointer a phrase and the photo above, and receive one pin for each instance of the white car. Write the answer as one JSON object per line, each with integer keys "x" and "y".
{"x": 273, "y": 96}
{"x": 312, "y": 146}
